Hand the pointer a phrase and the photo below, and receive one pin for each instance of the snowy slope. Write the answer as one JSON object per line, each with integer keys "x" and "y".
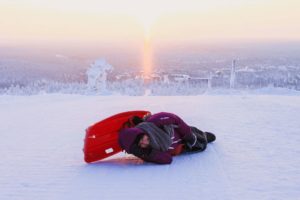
{"x": 256, "y": 155}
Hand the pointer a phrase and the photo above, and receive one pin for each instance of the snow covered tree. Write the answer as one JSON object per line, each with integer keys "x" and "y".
{"x": 97, "y": 76}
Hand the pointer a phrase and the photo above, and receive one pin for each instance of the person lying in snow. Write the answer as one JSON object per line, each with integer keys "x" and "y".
{"x": 158, "y": 137}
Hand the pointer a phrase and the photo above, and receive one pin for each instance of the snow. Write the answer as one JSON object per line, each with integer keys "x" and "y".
{"x": 97, "y": 76}
{"x": 255, "y": 156}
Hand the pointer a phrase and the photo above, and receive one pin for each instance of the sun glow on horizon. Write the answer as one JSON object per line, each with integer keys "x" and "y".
{"x": 147, "y": 20}
{"x": 147, "y": 57}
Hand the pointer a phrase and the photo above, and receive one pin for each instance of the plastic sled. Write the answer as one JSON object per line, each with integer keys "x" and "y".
{"x": 101, "y": 139}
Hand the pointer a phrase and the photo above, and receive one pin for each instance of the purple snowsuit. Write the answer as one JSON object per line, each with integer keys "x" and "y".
{"x": 182, "y": 134}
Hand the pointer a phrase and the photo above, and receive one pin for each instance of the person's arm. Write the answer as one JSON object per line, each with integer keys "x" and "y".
{"x": 151, "y": 155}
{"x": 158, "y": 157}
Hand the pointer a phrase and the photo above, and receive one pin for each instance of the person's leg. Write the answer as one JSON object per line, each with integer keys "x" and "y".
{"x": 199, "y": 143}
{"x": 200, "y": 140}
{"x": 210, "y": 137}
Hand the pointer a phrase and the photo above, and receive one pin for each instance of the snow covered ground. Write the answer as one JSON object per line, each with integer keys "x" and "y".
{"x": 256, "y": 154}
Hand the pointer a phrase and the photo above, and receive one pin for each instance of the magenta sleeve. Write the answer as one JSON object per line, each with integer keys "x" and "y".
{"x": 159, "y": 157}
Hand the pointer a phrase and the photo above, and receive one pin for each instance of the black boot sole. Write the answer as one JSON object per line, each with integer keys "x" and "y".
{"x": 210, "y": 137}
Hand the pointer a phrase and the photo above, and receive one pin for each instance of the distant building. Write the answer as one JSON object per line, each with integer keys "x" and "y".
{"x": 201, "y": 82}
{"x": 232, "y": 74}
{"x": 179, "y": 77}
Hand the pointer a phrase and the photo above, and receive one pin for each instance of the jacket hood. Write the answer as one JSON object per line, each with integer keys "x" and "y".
{"x": 128, "y": 136}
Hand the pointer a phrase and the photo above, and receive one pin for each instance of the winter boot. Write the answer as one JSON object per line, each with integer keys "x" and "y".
{"x": 198, "y": 143}
{"x": 210, "y": 137}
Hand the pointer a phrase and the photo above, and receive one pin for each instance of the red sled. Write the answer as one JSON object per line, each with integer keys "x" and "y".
{"x": 101, "y": 139}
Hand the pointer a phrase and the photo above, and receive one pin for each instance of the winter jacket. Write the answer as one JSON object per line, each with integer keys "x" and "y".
{"x": 182, "y": 133}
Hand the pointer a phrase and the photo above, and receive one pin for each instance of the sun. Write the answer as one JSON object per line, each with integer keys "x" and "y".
{"x": 147, "y": 19}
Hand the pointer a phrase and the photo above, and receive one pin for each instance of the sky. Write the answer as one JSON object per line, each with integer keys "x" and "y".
{"x": 163, "y": 21}
{"x": 146, "y": 26}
